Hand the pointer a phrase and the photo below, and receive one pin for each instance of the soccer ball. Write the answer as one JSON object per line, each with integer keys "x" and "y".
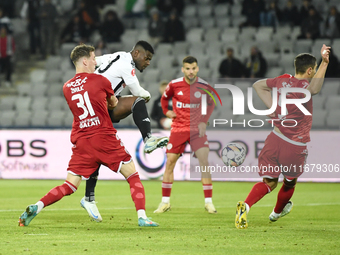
{"x": 233, "y": 154}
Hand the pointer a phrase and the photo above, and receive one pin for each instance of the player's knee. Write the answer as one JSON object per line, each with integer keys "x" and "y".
{"x": 138, "y": 104}
{"x": 140, "y": 99}
{"x": 170, "y": 162}
{"x": 68, "y": 188}
{"x": 290, "y": 183}
{"x": 272, "y": 183}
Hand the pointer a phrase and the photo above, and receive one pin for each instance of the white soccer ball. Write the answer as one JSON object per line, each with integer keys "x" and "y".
{"x": 233, "y": 154}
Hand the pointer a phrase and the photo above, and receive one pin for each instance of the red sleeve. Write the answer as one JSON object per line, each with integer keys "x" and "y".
{"x": 107, "y": 87}
{"x": 167, "y": 95}
{"x": 271, "y": 82}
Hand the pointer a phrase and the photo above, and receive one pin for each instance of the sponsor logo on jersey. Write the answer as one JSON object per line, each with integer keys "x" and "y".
{"x": 77, "y": 82}
{"x": 182, "y": 105}
{"x": 89, "y": 122}
{"x": 133, "y": 72}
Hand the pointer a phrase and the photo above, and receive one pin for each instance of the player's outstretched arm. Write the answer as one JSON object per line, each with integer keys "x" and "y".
{"x": 264, "y": 92}
{"x": 318, "y": 79}
{"x": 138, "y": 91}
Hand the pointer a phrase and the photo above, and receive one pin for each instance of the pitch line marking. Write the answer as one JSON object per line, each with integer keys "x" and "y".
{"x": 187, "y": 207}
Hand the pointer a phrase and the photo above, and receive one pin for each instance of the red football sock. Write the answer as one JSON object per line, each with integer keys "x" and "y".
{"x": 207, "y": 189}
{"x": 58, "y": 193}
{"x": 258, "y": 191}
{"x": 137, "y": 191}
{"x": 283, "y": 197}
{"x": 166, "y": 189}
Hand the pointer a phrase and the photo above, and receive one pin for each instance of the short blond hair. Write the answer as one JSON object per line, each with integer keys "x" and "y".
{"x": 80, "y": 51}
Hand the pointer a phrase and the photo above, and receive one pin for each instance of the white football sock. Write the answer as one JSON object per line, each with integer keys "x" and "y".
{"x": 40, "y": 206}
{"x": 141, "y": 214}
{"x": 247, "y": 208}
{"x": 208, "y": 200}
{"x": 166, "y": 200}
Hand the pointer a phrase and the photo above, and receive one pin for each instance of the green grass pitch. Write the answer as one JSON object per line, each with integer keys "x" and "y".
{"x": 313, "y": 226}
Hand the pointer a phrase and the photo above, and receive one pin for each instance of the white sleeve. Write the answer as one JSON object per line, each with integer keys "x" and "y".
{"x": 131, "y": 81}
{"x": 137, "y": 90}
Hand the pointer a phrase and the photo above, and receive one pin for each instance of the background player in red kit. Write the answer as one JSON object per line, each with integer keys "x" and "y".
{"x": 285, "y": 146}
{"x": 188, "y": 126}
{"x": 95, "y": 142}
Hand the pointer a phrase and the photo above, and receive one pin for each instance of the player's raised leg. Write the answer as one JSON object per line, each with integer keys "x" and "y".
{"x": 283, "y": 204}
{"x": 202, "y": 156}
{"x": 168, "y": 179}
{"x": 70, "y": 186}
{"x": 136, "y": 106}
{"x": 126, "y": 105}
{"x": 137, "y": 193}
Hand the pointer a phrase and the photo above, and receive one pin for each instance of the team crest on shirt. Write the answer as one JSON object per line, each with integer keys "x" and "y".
{"x": 133, "y": 72}
{"x": 133, "y": 64}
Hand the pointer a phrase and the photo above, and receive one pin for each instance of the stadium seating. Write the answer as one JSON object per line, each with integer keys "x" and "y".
{"x": 210, "y": 30}
{"x": 39, "y": 103}
{"x": 24, "y": 89}
{"x": 319, "y": 118}
{"x": 319, "y": 102}
{"x": 7, "y": 118}
{"x": 330, "y": 87}
{"x": 23, "y": 119}
{"x": 56, "y": 118}
{"x": 333, "y": 118}
{"x": 221, "y": 10}
{"x": 7, "y": 103}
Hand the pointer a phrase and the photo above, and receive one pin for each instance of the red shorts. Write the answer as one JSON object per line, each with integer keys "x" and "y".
{"x": 178, "y": 141}
{"x": 90, "y": 153}
{"x": 280, "y": 156}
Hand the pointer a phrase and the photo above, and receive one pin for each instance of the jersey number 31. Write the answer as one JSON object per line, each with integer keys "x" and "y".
{"x": 81, "y": 104}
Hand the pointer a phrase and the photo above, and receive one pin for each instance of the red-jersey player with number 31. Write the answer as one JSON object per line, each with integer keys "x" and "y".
{"x": 95, "y": 141}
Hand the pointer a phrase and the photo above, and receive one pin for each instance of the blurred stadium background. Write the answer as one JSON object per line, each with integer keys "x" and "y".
{"x": 35, "y": 100}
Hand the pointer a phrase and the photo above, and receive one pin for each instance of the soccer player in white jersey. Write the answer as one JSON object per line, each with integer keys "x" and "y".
{"x": 120, "y": 69}
{"x": 285, "y": 148}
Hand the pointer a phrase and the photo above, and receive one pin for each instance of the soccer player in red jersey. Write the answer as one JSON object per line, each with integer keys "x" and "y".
{"x": 188, "y": 125}
{"x": 285, "y": 149}
{"x": 95, "y": 141}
